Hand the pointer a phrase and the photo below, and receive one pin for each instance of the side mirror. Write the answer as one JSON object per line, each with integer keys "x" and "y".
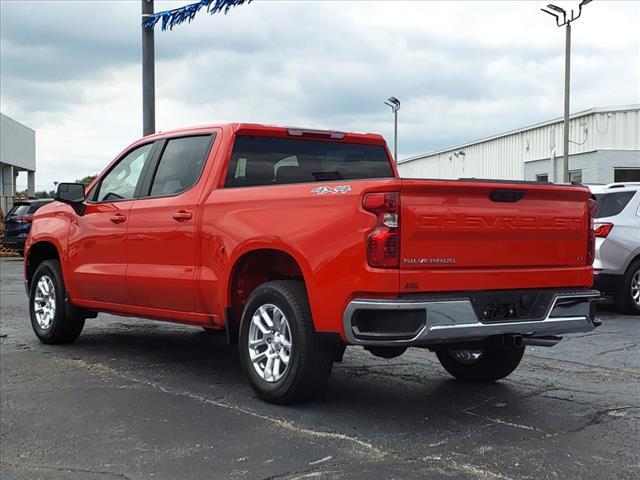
{"x": 71, "y": 193}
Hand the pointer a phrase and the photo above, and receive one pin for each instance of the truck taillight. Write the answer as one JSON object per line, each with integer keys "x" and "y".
{"x": 591, "y": 240}
{"x": 602, "y": 230}
{"x": 383, "y": 243}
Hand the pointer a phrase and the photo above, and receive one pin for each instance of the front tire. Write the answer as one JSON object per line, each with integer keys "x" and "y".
{"x": 49, "y": 320}
{"x": 628, "y": 299}
{"x": 284, "y": 359}
{"x": 482, "y": 365}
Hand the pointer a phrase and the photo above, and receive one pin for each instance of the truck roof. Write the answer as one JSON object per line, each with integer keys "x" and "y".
{"x": 278, "y": 131}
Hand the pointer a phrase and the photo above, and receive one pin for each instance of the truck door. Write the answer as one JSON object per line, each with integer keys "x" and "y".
{"x": 97, "y": 256}
{"x": 161, "y": 238}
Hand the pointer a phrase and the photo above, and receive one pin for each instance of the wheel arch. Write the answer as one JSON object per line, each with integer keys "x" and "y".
{"x": 39, "y": 252}
{"x": 253, "y": 267}
{"x": 634, "y": 257}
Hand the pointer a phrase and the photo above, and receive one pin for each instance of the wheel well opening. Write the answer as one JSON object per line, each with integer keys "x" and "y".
{"x": 38, "y": 253}
{"x": 257, "y": 267}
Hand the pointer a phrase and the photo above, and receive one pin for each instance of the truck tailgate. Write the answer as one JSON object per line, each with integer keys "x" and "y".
{"x": 465, "y": 235}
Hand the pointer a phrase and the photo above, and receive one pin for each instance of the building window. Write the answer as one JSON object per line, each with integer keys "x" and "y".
{"x": 626, "y": 175}
{"x": 542, "y": 178}
{"x": 575, "y": 176}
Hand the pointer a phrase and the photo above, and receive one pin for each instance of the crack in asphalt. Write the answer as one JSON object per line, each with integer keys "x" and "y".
{"x": 621, "y": 349}
{"x": 590, "y": 368}
{"x": 285, "y": 424}
{"x": 599, "y": 416}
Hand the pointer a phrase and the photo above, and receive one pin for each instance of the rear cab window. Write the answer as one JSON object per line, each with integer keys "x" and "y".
{"x": 19, "y": 209}
{"x": 280, "y": 161}
{"x": 612, "y": 204}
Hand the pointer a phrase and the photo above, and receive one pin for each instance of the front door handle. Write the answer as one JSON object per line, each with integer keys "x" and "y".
{"x": 118, "y": 218}
{"x": 182, "y": 215}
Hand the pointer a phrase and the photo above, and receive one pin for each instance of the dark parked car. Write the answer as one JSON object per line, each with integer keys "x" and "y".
{"x": 17, "y": 223}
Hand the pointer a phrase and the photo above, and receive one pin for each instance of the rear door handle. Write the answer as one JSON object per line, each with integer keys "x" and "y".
{"x": 118, "y": 218}
{"x": 182, "y": 215}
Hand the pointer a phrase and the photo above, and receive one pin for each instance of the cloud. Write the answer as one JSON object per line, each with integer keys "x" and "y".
{"x": 462, "y": 70}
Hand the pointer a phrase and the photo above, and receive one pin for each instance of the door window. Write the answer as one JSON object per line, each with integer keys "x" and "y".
{"x": 121, "y": 181}
{"x": 180, "y": 165}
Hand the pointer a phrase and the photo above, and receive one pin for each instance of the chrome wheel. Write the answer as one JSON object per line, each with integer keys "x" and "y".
{"x": 466, "y": 357}
{"x": 269, "y": 343}
{"x": 45, "y": 302}
{"x": 635, "y": 288}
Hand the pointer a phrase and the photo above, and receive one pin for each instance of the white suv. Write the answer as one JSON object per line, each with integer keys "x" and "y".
{"x": 617, "y": 224}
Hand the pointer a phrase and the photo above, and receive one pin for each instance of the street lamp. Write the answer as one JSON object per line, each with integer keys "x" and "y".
{"x": 556, "y": 12}
{"x": 394, "y": 103}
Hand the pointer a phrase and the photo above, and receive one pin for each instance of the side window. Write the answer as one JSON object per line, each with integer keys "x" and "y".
{"x": 241, "y": 170}
{"x": 120, "y": 183}
{"x": 611, "y": 204}
{"x": 180, "y": 165}
{"x": 285, "y": 162}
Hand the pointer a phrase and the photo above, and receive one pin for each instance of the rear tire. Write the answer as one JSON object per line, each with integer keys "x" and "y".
{"x": 493, "y": 363}
{"x": 49, "y": 319}
{"x": 628, "y": 299}
{"x": 287, "y": 362}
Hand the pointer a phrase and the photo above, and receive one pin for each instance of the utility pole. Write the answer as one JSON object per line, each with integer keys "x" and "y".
{"x": 556, "y": 11}
{"x": 148, "y": 73}
{"x": 394, "y": 103}
{"x": 567, "y": 82}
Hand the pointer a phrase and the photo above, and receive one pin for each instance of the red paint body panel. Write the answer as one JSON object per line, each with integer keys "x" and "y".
{"x": 453, "y": 234}
{"x": 154, "y": 266}
{"x": 97, "y": 260}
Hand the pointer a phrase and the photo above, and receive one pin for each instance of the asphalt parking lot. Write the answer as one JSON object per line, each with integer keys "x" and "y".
{"x": 136, "y": 399}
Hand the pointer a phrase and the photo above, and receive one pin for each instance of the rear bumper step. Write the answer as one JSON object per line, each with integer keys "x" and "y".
{"x": 429, "y": 321}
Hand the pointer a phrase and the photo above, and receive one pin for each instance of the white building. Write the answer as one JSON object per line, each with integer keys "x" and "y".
{"x": 604, "y": 147}
{"x": 17, "y": 154}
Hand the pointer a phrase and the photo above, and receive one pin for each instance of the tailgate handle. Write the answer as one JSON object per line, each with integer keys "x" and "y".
{"x": 510, "y": 196}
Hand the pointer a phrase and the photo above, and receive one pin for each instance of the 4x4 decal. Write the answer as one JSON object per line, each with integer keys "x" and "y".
{"x": 334, "y": 190}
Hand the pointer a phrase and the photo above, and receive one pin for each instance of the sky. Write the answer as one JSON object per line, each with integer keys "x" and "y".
{"x": 462, "y": 70}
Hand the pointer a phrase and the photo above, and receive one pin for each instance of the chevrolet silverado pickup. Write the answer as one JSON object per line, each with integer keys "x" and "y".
{"x": 298, "y": 243}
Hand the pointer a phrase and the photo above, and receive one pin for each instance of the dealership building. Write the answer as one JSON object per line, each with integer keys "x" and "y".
{"x": 604, "y": 148}
{"x": 17, "y": 154}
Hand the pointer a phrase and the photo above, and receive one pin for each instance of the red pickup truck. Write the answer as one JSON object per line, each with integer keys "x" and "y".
{"x": 300, "y": 242}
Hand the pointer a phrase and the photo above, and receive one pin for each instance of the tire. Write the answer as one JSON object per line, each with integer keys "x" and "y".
{"x": 630, "y": 286}
{"x": 493, "y": 364}
{"x": 51, "y": 326}
{"x": 309, "y": 357}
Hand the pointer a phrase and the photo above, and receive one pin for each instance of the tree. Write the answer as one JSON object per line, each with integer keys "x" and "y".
{"x": 40, "y": 194}
{"x": 86, "y": 181}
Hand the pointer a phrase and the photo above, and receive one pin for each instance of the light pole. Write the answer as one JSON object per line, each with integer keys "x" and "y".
{"x": 168, "y": 19}
{"x": 556, "y": 11}
{"x": 148, "y": 73}
{"x": 394, "y": 103}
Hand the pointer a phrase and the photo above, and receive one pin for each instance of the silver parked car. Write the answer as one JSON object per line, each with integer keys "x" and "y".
{"x": 617, "y": 228}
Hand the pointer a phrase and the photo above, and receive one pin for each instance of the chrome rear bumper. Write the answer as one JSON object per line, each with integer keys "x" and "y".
{"x": 454, "y": 320}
